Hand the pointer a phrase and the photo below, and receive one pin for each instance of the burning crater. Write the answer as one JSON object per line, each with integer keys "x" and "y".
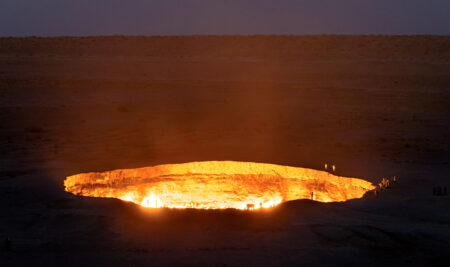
{"x": 217, "y": 185}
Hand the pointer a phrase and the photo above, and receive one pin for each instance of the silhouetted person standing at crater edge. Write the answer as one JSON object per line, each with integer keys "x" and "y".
{"x": 8, "y": 244}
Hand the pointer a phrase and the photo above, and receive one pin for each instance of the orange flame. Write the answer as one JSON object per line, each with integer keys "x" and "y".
{"x": 217, "y": 185}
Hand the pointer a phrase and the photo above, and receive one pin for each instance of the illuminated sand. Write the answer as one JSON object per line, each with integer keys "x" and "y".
{"x": 216, "y": 185}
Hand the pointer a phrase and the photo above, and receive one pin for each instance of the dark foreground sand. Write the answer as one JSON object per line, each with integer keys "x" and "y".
{"x": 374, "y": 106}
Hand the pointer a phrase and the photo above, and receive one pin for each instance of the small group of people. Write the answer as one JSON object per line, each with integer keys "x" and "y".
{"x": 439, "y": 191}
{"x": 384, "y": 184}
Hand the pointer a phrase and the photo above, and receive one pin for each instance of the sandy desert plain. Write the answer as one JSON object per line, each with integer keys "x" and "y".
{"x": 375, "y": 106}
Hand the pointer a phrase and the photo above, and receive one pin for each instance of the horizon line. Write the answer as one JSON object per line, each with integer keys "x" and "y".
{"x": 226, "y": 35}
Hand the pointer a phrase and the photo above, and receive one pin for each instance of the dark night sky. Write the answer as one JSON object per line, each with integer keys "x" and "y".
{"x": 184, "y": 17}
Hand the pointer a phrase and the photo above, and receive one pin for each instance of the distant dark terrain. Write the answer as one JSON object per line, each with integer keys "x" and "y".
{"x": 375, "y": 106}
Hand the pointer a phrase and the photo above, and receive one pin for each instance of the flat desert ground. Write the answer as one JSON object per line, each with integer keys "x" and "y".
{"x": 375, "y": 106}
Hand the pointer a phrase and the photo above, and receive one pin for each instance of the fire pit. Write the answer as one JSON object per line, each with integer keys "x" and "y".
{"x": 217, "y": 185}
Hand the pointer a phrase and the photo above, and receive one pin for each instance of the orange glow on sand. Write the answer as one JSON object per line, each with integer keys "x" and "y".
{"x": 217, "y": 185}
